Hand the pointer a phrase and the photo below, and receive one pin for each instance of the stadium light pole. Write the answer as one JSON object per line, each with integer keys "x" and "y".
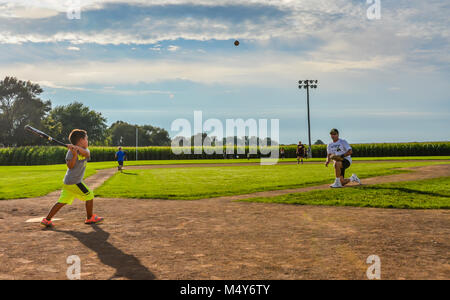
{"x": 137, "y": 131}
{"x": 308, "y": 84}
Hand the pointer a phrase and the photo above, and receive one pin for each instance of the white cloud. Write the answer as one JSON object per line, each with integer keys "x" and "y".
{"x": 27, "y": 12}
{"x": 61, "y": 5}
{"x": 397, "y": 113}
{"x": 156, "y": 48}
{"x": 236, "y": 70}
{"x": 301, "y": 17}
{"x": 54, "y": 85}
{"x": 173, "y": 48}
{"x": 339, "y": 26}
{"x": 72, "y": 48}
{"x": 394, "y": 88}
{"x": 375, "y": 113}
{"x": 104, "y": 90}
{"x": 332, "y": 36}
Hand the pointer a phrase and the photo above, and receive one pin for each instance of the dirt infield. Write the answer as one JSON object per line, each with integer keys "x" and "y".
{"x": 221, "y": 239}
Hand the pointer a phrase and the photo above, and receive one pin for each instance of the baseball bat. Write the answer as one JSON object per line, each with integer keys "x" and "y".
{"x": 43, "y": 135}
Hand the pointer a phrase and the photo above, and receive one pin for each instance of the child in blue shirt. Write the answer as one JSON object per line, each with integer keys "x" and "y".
{"x": 120, "y": 157}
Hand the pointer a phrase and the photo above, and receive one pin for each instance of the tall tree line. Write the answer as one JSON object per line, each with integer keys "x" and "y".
{"x": 20, "y": 104}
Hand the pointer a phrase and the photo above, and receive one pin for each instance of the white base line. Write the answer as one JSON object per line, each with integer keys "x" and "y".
{"x": 38, "y": 220}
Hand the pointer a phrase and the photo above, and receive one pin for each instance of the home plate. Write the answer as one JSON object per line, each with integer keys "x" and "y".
{"x": 38, "y": 220}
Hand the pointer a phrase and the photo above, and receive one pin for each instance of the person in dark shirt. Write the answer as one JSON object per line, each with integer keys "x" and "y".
{"x": 282, "y": 155}
{"x": 301, "y": 151}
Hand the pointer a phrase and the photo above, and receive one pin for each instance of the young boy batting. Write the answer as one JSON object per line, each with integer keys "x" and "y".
{"x": 120, "y": 157}
{"x": 76, "y": 159}
{"x": 340, "y": 152}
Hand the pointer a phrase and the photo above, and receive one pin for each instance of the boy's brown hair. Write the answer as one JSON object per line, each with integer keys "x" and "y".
{"x": 76, "y": 135}
{"x": 334, "y": 131}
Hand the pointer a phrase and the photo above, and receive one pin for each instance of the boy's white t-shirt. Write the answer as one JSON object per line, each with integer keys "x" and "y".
{"x": 338, "y": 148}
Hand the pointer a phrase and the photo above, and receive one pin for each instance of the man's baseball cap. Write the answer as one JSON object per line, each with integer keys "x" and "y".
{"x": 334, "y": 131}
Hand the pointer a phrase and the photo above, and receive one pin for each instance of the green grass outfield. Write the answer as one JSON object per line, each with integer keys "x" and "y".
{"x": 35, "y": 181}
{"x": 421, "y": 194}
{"x": 32, "y": 181}
{"x": 207, "y": 182}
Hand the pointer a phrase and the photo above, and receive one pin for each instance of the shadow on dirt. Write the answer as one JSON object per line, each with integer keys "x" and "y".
{"x": 126, "y": 265}
{"x": 406, "y": 190}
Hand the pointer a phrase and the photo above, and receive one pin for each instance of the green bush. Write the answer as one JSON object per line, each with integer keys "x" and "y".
{"x": 41, "y": 155}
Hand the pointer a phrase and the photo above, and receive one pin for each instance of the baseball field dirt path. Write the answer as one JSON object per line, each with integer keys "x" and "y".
{"x": 221, "y": 239}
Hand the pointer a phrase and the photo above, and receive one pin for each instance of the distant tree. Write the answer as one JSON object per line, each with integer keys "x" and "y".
{"x": 251, "y": 141}
{"x": 20, "y": 105}
{"x": 319, "y": 142}
{"x": 157, "y": 136}
{"x": 267, "y": 141}
{"x": 63, "y": 119}
{"x": 181, "y": 141}
{"x": 254, "y": 141}
{"x": 211, "y": 140}
{"x": 200, "y": 136}
{"x": 233, "y": 140}
{"x": 124, "y": 134}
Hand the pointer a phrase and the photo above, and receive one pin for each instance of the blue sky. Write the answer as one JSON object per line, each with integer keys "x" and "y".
{"x": 151, "y": 62}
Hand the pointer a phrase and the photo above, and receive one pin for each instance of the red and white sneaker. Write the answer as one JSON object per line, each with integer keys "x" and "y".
{"x": 47, "y": 223}
{"x": 94, "y": 220}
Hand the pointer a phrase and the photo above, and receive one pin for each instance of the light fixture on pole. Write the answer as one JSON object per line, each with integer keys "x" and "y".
{"x": 308, "y": 84}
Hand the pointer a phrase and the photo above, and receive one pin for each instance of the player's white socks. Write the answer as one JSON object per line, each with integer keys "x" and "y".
{"x": 337, "y": 183}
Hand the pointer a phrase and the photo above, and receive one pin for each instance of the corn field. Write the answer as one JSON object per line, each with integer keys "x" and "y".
{"x": 44, "y": 155}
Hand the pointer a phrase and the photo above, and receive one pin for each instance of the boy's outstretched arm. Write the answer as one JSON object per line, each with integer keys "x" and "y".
{"x": 71, "y": 163}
